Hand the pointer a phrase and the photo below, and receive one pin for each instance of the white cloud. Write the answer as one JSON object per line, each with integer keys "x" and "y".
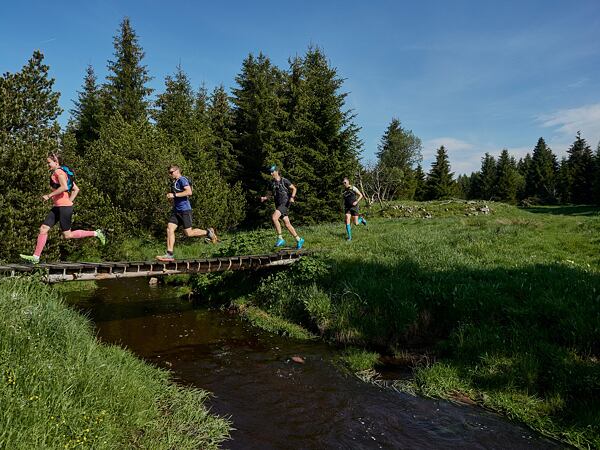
{"x": 464, "y": 156}
{"x": 451, "y": 144}
{"x": 579, "y": 83}
{"x": 567, "y": 122}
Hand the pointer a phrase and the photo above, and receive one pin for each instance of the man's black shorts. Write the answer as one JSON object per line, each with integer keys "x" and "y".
{"x": 61, "y": 214}
{"x": 352, "y": 211}
{"x": 283, "y": 209}
{"x": 183, "y": 218}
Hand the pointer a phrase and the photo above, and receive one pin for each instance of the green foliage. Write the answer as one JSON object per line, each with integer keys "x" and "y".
{"x": 291, "y": 294}
{"x": 580, "y": 166}
{"x": 174, "y": 113}
{"x": 440, "y": 183}
{"x": 596, "y": 184}
{"x": 399, "y": 148}
{"x": 247, "y": 243}
{"x": 128, "y": 164}
{"x": 220, "y": 116}
{"x": 509, "y": 180}
{"x": 323, "y": 140}
{"x": 87, "y": 115}
{"x": 274, "y": 324}
{"x": 486, "y": 182}
{"x": 28, "y": 134}
{"x": 359, "y": 360}
{"x": 184, "y": 119}
{"x": 420, "y": 184}
{"x": 541, "y": 174}
{"x": 126, "y": 90}
{"x": 258, "y": 118}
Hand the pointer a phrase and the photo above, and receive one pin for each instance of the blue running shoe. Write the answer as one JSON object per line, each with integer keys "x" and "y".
{"x": 299, "y": 244}
{"x": 279, "y": 243}
{"x": 362, "y": 220}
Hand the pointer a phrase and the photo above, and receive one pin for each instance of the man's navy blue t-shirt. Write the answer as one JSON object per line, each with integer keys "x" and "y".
{"x": 181, "y": 204}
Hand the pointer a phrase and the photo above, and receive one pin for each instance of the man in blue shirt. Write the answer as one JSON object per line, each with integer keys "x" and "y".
{"x": 180, "y": 194}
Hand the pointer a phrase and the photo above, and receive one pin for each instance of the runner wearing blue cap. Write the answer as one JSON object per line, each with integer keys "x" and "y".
{"x": 281, "y": 188}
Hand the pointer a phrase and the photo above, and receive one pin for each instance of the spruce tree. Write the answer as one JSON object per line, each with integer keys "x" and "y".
{"x": 596, "y": 186}
{"x": 524, "y": 164}
{"x": 258, "y": 119}
{"x": 399, "y": 147}
{"x": 523, "y": 167}
{"x": 87, "y": 115}
{"x": 581, "y": 171}
{"x": 174, "y": 108}
{"x": 220, "y": 117}
{"x": 540, "y": 178}
{"x": 323, "y": 139}
{"x": 440, "y": 183}
{"x": 463, "y": 186}
{"x": 126, "y": 91}
{"x": 475, "y": 186}
{"x": 420, "y": 184}
{"x": 398, "y": 152}
{"x": 508, "y": 178}
{"x": 563, "y": 181}
{"x": 487, "y": 179}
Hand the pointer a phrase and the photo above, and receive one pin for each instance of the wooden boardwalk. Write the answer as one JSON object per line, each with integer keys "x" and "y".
{"x": 72, "y": 271}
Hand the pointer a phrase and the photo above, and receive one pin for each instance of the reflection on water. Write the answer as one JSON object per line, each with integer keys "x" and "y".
{"x": 273, "y": 401}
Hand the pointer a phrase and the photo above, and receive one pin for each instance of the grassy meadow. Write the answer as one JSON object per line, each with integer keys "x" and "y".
{"x": 498, "y": 308}
{"x": 60, "y": 388}
{"x": 485, "y": 302}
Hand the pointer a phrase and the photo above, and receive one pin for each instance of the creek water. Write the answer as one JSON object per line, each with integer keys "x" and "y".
{"x": 273, "y": 401}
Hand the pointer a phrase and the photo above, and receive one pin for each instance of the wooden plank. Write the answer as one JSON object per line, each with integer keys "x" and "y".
{"x": 70, "y": 271}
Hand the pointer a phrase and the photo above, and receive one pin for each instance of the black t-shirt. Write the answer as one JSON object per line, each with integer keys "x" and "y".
{"x": 281, "y": 191}
{"x": 350, "y": 196}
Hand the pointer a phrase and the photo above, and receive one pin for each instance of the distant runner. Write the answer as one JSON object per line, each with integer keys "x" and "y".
{"x": 181, "y": 191}
{"x": 64, "y": 191}
{"x": 352, "y": 196}
{"x": 281, "y": 188}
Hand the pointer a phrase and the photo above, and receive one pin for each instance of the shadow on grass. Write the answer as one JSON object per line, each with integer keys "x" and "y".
{"x": 566, "y": 210}
{"x": 532, "y": 331}
{"x": 527, "y": 336}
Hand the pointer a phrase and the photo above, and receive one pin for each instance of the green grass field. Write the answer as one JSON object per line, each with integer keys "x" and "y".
{"x": 500, "y": 309}
{"x": 505, "y": 306}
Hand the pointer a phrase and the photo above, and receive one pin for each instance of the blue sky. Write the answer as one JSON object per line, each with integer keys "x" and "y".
{"x": 474, "y": 76}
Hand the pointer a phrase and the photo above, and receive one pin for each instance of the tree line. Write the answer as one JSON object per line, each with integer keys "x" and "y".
{"x": 121, "y": 137}
{"x": 537, "y": 178}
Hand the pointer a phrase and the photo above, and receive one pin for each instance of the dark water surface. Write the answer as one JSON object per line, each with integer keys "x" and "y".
{"x": 273, "y": 402}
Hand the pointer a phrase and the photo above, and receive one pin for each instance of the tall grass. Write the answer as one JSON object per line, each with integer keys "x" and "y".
{"x": 508, "y": 303}
{"x": 60, "y": 388}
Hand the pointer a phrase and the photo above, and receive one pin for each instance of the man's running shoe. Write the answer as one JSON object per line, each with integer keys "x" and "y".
{"x": 212, "y": 236}
{"x": 31, "y": 258}
{"x": 166, "y": 258}
{"x": 299, "y": 244}
{"x": 279, "y": 243}
{"x": 100, "y": 235}
{"x": 362, "y": 220}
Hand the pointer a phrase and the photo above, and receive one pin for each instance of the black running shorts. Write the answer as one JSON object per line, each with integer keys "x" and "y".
{"x": 352, "y": 211}
{"x": 61, "y": 214}
{"x": 183, "y": 218}
{"x": 283, "y": 209}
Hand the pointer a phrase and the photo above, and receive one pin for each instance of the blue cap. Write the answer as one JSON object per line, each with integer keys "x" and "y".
{"x": 273, "y": 168}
